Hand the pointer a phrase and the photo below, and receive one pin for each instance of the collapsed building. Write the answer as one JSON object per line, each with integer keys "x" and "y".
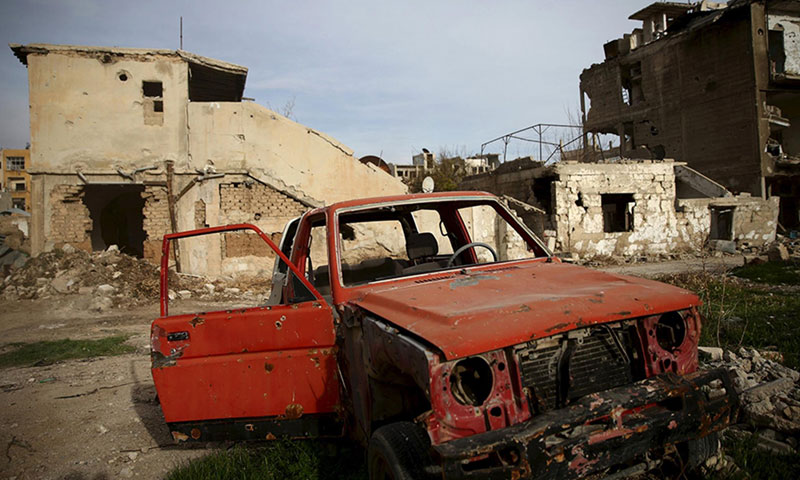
{"x": 716, "y": 86}
{"x": 130, "y": 144}
{"x": 629, "y": 207}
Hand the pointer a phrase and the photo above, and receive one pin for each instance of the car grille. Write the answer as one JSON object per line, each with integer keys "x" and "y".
{"x": 558, "y": 370}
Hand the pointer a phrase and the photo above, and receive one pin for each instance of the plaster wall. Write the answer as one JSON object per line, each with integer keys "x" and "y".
{"x": 308, "y": 164}
{"x": 791, "y": 39}
{"x": 85, "y": 117}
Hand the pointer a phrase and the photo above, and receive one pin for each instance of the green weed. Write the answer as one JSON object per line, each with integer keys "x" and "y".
{"x": 759, "y": 464}
{"x": 284, "y": 459}
{"x": 773, "y": 273}
{"x": 741, "y": 314}
{"x": 48, "y": 352}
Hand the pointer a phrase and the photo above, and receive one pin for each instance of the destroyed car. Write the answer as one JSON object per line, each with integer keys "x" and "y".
{"x": 438, "y": 330}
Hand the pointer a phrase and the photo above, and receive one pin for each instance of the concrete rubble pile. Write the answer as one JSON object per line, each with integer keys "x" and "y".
{"x": 769, "y": 393}
{"x": 114, "y": 279}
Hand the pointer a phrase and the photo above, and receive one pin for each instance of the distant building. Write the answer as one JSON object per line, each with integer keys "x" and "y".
{"x": 423, "y": 163}
{"x": 716, "y": 86}
{"x": 16, "y": 180}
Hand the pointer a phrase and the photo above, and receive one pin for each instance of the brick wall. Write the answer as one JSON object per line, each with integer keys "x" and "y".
{"x": 243, "y": 202}
{"x": 69, "y": 221}
{"x": 259, "y": 204}
{"x": 156, "y": 220}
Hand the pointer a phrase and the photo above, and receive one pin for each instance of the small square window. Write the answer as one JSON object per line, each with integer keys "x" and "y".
{"x": 158, "y": 106}
{"x": 152, "y": 89}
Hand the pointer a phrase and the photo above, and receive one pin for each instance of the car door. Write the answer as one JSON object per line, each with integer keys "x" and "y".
{"x": 252, "y": 373}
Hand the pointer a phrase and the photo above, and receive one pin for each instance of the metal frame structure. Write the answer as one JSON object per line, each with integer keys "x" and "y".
{"x": 540, "y": 129}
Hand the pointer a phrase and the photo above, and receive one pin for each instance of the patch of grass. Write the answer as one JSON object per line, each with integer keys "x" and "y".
{"x": 48, "y": 352}
{"x": 739, "y": 314}
{"x": 773, "y": 273}
{"x": 761, "y": 464}
{"x": 283, "y": 459}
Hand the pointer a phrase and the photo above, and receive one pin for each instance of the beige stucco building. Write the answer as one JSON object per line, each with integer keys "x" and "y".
{"x": 129, "y": 144}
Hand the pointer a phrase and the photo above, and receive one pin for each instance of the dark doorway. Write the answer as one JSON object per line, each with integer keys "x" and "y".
{"x": 721, "y": 223}
{"x": 117, "y": 217}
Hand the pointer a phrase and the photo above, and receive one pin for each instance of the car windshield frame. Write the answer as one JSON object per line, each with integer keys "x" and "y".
{"x": 459, "y": 202}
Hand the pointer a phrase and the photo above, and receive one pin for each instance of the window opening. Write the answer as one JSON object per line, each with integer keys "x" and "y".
{"x": 153, "y": 102}
{"x": 721, "y": 223}
{"x": 631, "y": 80}
{"x": 15, "y": 163}
{"x": 617, "y": 212}
{"x": 777, "y": 53}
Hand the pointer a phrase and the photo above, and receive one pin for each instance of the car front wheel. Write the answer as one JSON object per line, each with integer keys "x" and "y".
{"x": 399, "y": 451}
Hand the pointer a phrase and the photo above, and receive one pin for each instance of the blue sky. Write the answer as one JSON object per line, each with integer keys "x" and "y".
{"x": 382, "y": 77}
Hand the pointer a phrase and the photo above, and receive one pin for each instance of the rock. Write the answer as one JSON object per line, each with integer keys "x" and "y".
{"x": 116, "y": 275}
{"x": 63, "y": 282}
{"x": 67, "y": 248}
{"x": 773, "y": 445}
{"x": 105, "y": 289}
{"x": 172, "y": 295}
{"x": 184, "y": 294}
{"x": 85, "y": 290}
{"x": 101, "y": 304}
{"x": 209, "y": 288}
{"x": 133, "y": 456}
{"x": 778, "y": 253}
{"x": 112, "y": 248}
{"x": 766, "y": 391}
{"x": 755, "y": 259}
{"x": 726, "y": 246}
{"x": 772, "y": 355}
{"x": 126, "y": 472}
{"x": 711, "y": 353}
{"x": 101, "y": 429}
{"x": 232, "y": 290}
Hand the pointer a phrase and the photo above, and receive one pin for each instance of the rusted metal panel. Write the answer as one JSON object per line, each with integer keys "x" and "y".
{"x": 284, "y": 384}
{"x": 274, "y": 361}
{"x": 475, "y": 312}
{"x": 249, "y": 363}
{"x": 604, "y": 429}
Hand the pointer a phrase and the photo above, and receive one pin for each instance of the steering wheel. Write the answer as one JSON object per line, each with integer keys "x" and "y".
{"x": 462, "y": 248}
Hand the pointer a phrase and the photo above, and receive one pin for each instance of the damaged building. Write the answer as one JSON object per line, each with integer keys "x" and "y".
{"x": 130, "y": 144}
{"x": 716, "y": 86}
{"x": 629, "y": 207}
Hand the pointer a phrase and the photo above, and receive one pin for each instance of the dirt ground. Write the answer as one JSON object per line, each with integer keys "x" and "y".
{"x": 97, "y": 419}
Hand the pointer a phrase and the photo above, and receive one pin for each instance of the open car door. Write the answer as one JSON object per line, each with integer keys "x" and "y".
{"x": 254, "y": 373}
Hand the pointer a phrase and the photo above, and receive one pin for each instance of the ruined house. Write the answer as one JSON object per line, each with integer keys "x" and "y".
{"x": 130, "y": 144}
{"x": 628, "y": 208}
{"x": 716, "y": 86}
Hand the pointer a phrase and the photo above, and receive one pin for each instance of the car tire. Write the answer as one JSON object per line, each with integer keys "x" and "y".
{"x": 701, "y": 449}
{"x": 399, "y": 451}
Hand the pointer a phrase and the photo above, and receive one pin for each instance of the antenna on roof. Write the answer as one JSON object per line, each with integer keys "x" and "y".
{"x": 181, "y": 32}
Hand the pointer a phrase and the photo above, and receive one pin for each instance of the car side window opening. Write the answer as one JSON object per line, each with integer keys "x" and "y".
{"x": 400, "y": 240}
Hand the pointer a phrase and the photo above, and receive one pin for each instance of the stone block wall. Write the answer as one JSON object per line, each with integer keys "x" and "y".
{"x": 156, "y": 222}
{"x": 579, "y": 213}
{"x": 69, "y": 220}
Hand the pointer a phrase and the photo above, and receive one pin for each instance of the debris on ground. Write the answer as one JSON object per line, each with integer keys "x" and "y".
{"x": 769, "y": 393}
{"x": 114, "y": 279}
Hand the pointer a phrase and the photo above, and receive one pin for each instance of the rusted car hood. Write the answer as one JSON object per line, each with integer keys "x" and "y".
{"x": 468, "y": 313}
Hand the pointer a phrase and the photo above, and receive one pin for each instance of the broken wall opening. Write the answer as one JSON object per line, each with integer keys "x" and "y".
{"x": 117, "y": 217}
{"x": 617, "y": 212}
{"x": 721, "y": 223}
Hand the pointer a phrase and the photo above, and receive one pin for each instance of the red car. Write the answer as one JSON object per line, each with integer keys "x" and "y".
{"x": 439, "y": 331}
